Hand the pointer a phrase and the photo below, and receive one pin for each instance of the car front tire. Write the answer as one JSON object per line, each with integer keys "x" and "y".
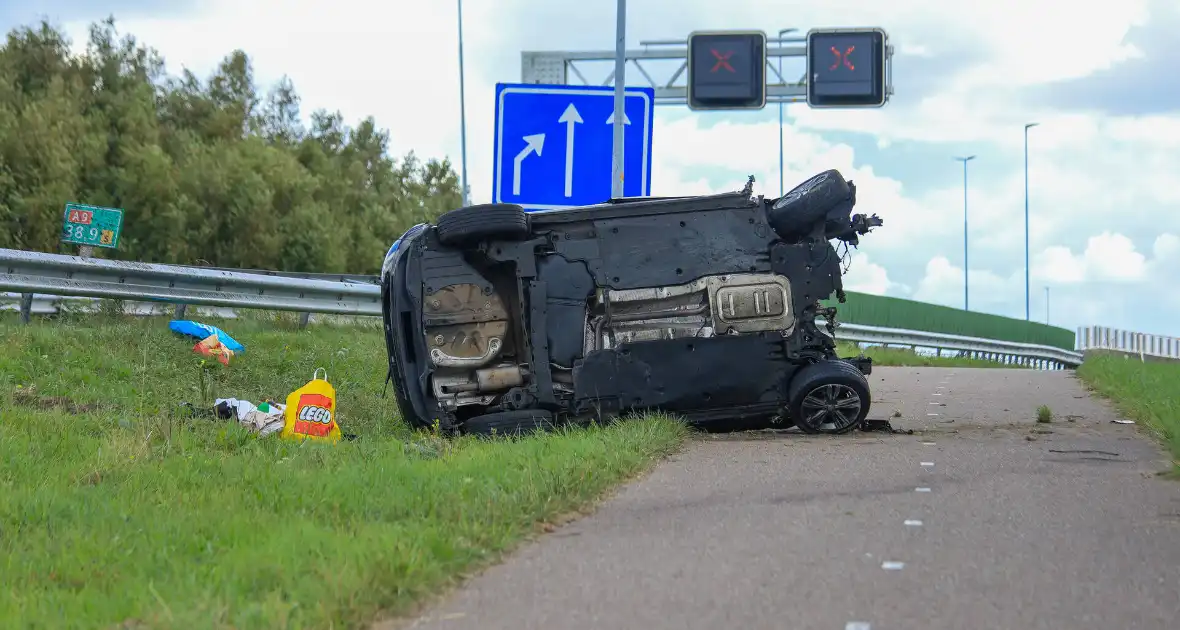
{"x": 830, "y": 397}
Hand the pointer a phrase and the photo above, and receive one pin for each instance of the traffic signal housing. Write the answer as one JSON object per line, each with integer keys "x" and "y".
{"x": 846, "y": 67}
{"x": 726, "y": 70}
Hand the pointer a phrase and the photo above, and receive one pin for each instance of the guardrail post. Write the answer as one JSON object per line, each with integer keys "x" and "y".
{"x": 179, "y": 312}
{"x": 304, "y": 318}
{"x": 26, "y": 307}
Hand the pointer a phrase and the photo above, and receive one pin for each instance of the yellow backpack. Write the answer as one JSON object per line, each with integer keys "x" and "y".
{"x": 311, "y": 411}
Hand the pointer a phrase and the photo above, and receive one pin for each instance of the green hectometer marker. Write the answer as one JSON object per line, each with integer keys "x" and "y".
{"x": 92, "y": 225}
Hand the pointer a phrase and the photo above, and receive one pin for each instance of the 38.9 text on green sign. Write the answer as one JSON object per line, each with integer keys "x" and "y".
{"x": 94, "y": 226}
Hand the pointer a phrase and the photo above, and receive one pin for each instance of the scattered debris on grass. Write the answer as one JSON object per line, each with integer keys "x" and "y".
{"x": 264, "y": 419}
{"x": 213, "y": 341}
{"x": 201, "y": 331}
{"x": 311, "y": 411}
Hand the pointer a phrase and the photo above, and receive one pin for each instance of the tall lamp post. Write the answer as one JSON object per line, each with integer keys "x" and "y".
{"x": 965, "y": 160}
{"x": 620, "y": 85}
{"x": 462, "y": 115}
{"x": 1026, "y": 264}
{"x": 1046, "y": 306}
{"x": 780, "y": 117}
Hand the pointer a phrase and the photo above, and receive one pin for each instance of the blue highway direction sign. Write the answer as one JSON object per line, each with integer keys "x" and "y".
{"x": 554, "y": 144}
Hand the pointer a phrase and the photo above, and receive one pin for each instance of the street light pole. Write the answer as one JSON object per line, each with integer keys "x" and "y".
{"x": 781, "y": 172}
{"x": 1046, "y": 306}
{"x": 1026, "y": 264}
{"x": 620, "y": 85}
{"x": 965, "y": 160}
{"x": 462, "y": 115}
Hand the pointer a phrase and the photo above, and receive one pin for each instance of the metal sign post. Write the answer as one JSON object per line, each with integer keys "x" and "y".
{"x": 621, "y": 73}
{"x": 87, "y": 227}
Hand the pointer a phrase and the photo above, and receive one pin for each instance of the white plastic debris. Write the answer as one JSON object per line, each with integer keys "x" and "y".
{"x": 260, "y": 421}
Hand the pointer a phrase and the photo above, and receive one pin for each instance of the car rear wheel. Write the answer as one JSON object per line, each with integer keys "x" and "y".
{"x": 472, "y": 224}
{"x": 830, "y": 396}
{"x": 797, "y": 212}
{"x": 517, "y": 422}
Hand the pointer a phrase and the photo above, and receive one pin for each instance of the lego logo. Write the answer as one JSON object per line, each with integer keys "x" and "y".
{"x": 312, "y": 413}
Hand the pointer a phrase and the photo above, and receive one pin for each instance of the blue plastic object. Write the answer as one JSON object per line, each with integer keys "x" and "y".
{"x": 201, "y": 331}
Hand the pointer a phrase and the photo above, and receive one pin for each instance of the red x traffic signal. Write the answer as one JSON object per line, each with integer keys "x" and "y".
{"x": 847, "y": 67}
{"x": 722, "y": 60}
{"x": 726, "y": 70}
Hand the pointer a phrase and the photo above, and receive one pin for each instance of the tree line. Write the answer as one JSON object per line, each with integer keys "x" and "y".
{"x": 207, "y": 171}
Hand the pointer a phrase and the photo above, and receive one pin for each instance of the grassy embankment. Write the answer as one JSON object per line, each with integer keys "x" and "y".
{"x": 115, "y": 508}
{"x": 1148, "y": 393}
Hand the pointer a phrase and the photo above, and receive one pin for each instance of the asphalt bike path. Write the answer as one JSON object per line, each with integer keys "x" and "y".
{"x": 983, "y": 519}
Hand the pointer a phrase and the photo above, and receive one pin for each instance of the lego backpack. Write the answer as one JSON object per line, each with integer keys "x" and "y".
{"x": 311, "y": 411}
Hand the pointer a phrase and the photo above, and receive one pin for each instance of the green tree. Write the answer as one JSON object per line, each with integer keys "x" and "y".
{"x": 207, "y": 171}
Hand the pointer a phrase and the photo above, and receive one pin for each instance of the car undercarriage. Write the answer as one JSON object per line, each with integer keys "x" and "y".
{"x": 706, "y": 307}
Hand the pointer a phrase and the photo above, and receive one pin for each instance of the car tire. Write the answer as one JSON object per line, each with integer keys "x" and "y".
{"x": 797, "y": 212}
{"x": 472, "y": 224}
{"x": 836, "y": 382}
{"x": 518, "y": 422}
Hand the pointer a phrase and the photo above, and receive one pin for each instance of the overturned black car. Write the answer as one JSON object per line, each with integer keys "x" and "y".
{"x": 499, "y": 321}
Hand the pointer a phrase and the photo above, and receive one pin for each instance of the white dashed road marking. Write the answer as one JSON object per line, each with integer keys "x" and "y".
{"x": 927, "y": 463}
{"x": 921, "y": 489}
{"x": 857, "y": 625}
{"x": 913, "y": 523}
{"x": 892, "y": 565}
{"x": 932, "y": 414}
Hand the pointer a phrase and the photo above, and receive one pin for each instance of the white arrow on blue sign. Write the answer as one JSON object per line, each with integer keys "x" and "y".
{"x": 554, "y": 144}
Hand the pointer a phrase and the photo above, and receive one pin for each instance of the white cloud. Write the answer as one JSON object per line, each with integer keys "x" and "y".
{"x": 1102, "y": 187}
{"x": 1105, "y": 284}
{"x": 866, "y": 276}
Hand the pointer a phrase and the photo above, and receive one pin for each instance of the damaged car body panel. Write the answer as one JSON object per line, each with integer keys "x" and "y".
{"x": 704, "y": 307}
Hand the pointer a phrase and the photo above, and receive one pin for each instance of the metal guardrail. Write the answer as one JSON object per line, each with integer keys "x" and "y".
{"x": 56, "y": 305}
{"x": 306, "y": 275}
{"x": 1033, "y": 355}
{"x": 145, "y": 287}
{"x": 1142, "y": 344}
{"x": 56, "y": 274}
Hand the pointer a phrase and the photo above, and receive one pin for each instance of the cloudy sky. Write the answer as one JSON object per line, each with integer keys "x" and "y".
{"x": 1104, "y": 162}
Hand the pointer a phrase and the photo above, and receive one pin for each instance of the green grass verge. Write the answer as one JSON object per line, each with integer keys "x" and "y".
{"x": 1149, "y": 393}
{"x": 114, "y": 509}
{"x": 904, "y": 357}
